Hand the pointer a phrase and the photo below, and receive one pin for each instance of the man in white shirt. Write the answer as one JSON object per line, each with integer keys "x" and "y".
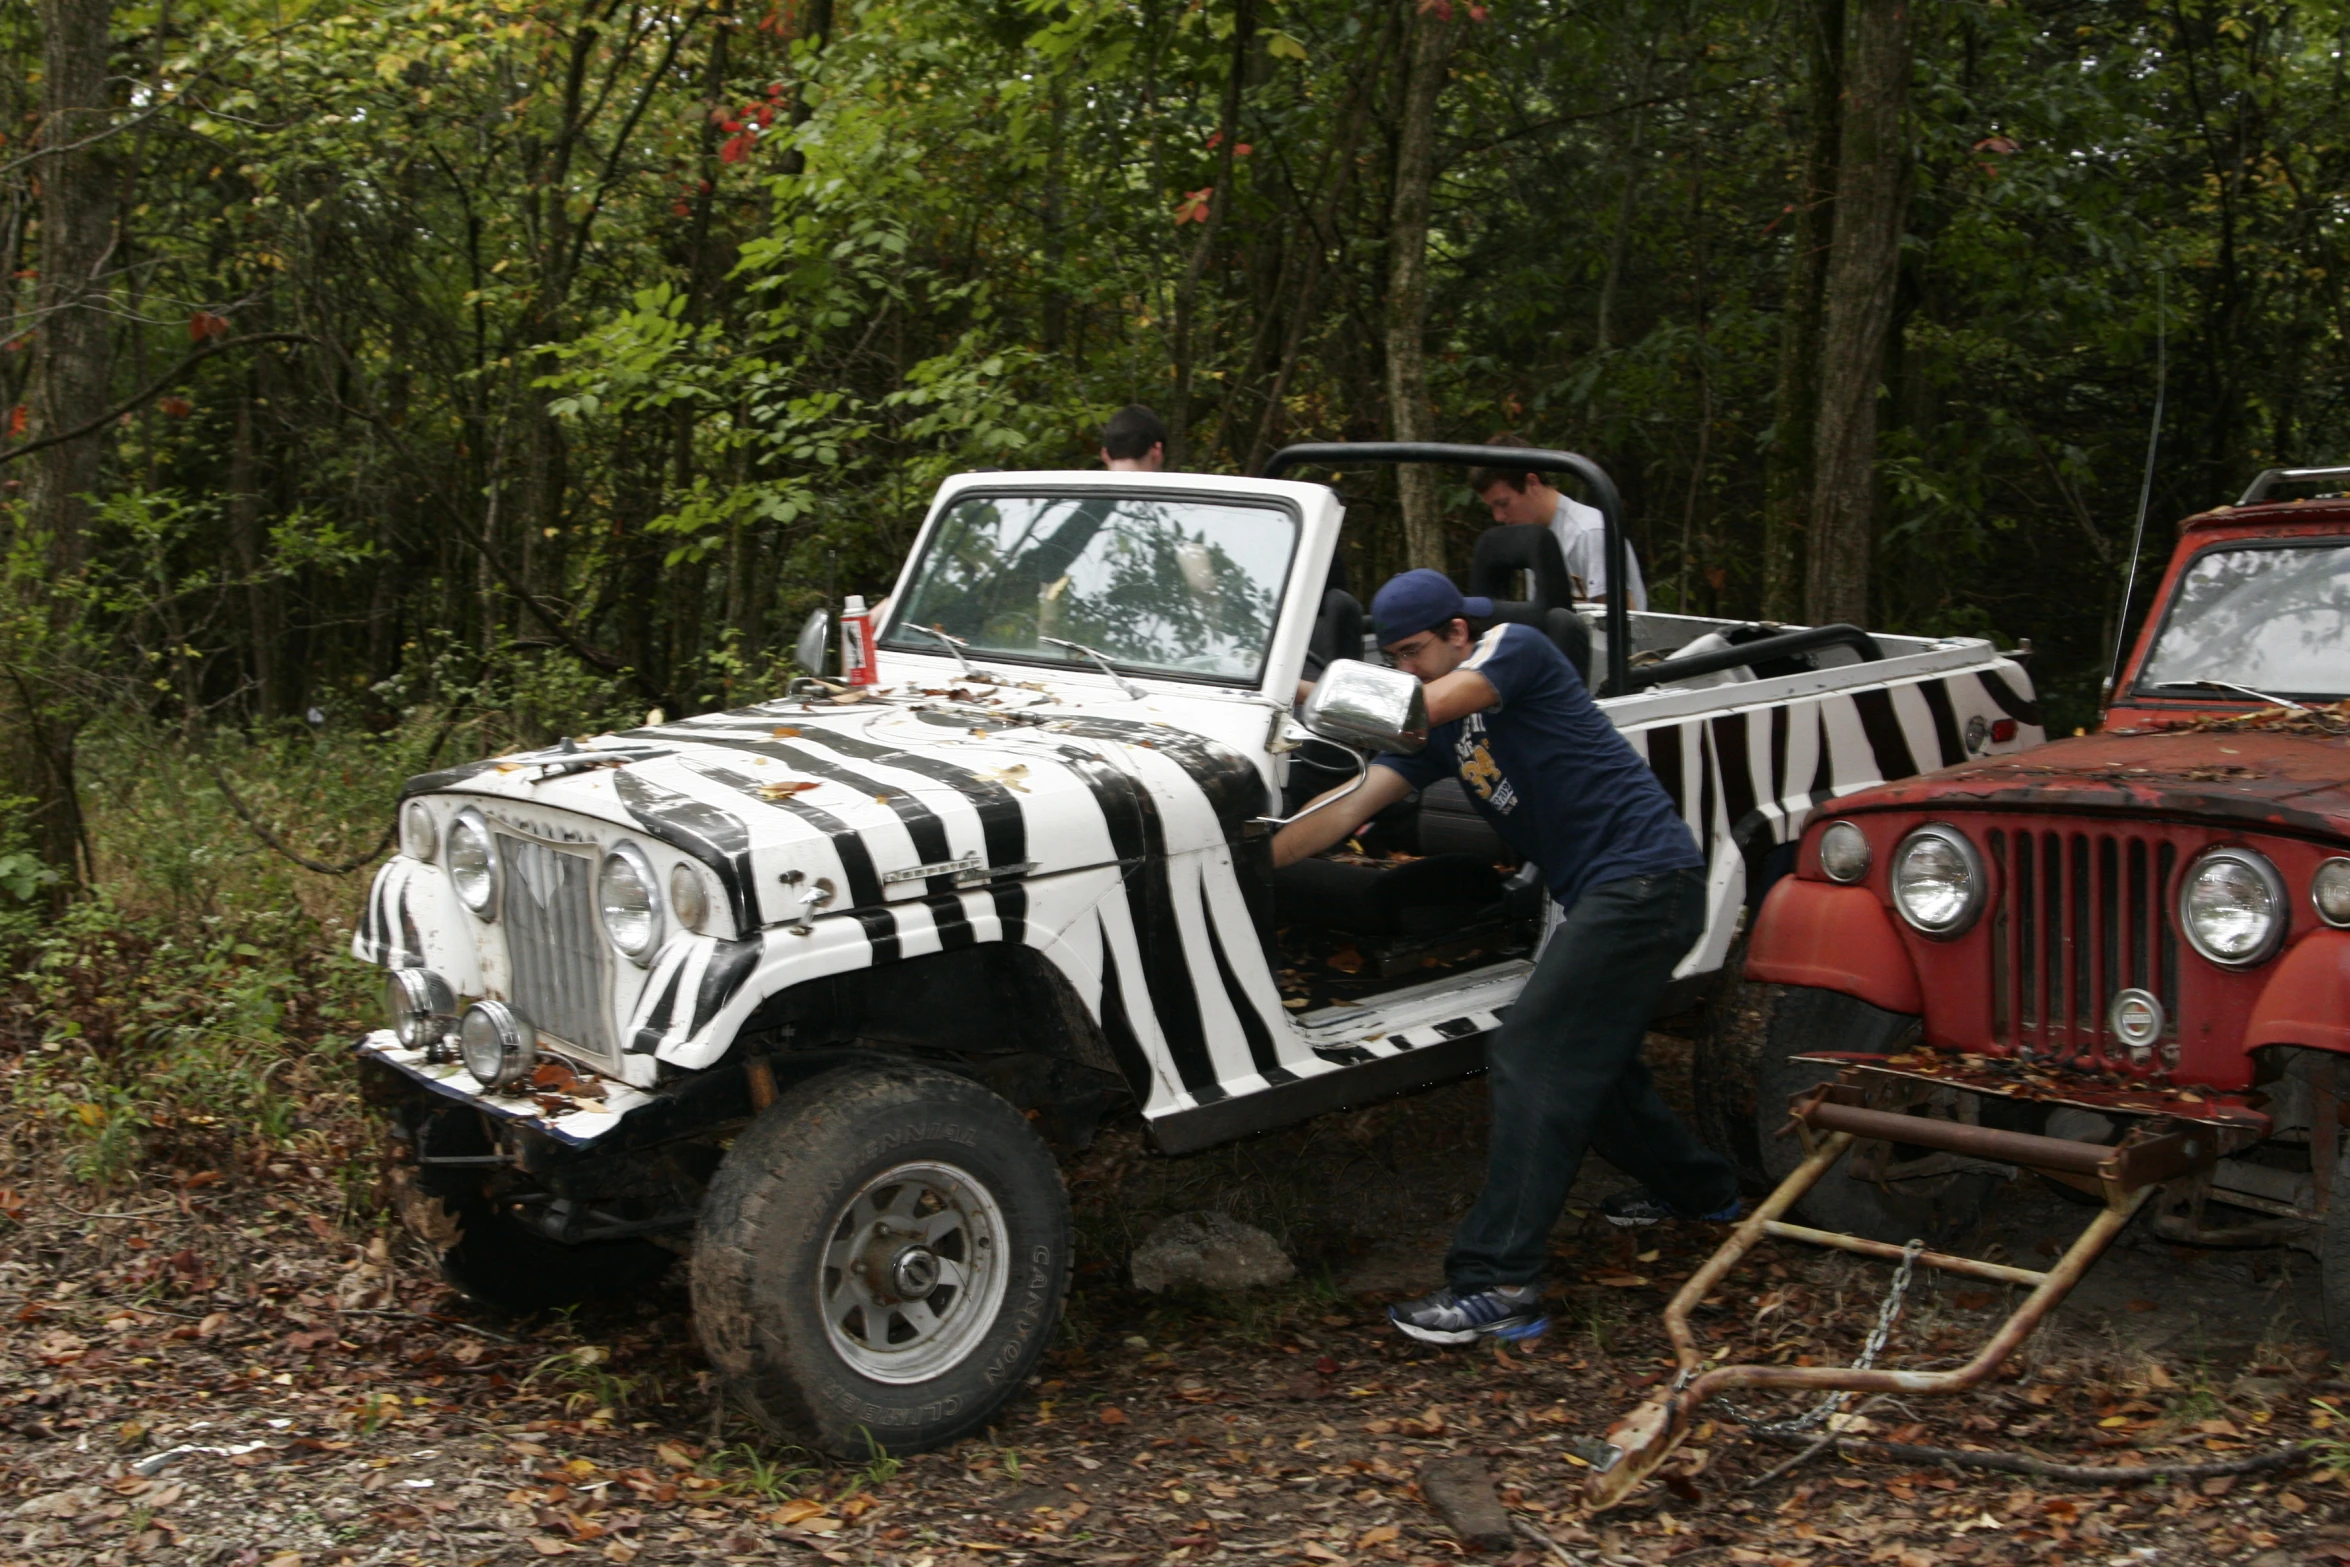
{"x": 1528, "y": 499}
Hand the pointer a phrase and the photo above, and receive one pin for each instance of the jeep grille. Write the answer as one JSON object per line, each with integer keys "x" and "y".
{"x": 2081, "y": 914}
{"x": 553, "y": 944}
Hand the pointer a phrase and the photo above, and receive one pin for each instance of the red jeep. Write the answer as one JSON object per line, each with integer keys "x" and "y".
{"x": 2149, "y": 920}
{"x": 2120, "y": 961}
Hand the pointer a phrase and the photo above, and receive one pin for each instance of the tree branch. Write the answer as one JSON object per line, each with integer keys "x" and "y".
{"x": 152, "y": 389}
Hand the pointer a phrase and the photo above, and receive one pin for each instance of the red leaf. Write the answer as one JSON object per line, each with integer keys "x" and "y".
{"x": 1195, "y": 206}
{"x": 17, "y": 418}
{"x": 1215, "y": 140}
{"x": 734, "y": 149}
{"x": 204, "y": 324}
{"x": 1242, "y": 149}
{"x": 177, "y": 407}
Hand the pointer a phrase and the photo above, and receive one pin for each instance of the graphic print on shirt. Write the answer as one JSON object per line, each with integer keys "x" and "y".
{"x": 1478, "y": 771}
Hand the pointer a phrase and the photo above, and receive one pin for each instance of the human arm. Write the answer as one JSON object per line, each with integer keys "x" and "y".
{"x": 1337, "y": 813}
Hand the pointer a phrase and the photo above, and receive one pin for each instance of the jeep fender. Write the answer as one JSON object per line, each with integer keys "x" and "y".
{"x": 2307, "y": 1000}
{"x": 1828, "y": 937}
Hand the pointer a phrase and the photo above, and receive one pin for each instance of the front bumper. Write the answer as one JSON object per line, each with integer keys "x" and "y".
{"x": 571, "y": 1119}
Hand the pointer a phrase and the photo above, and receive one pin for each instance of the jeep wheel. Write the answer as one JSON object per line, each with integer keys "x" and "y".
{"x": 490, "y": 1256}
{"x": 1747, "y": 1060}
{"x": 2333, "y": 1260}
{"x": 881, "y": 1260}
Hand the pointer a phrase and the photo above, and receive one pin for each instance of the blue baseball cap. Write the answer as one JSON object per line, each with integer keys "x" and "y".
{"x": 1421, "y": 600}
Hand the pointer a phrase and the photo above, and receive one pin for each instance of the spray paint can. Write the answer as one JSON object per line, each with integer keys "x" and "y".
{"x": 856, "y": 642}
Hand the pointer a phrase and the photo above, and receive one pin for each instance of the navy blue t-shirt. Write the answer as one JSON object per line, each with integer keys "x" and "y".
{"x": 1552, "y": 775}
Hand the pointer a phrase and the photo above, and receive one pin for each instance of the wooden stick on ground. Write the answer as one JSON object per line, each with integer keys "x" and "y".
{"x": 2096, "y": 1474}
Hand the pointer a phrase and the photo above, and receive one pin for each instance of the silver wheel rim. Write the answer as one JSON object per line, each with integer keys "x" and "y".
{"x": 913, "y": 1273}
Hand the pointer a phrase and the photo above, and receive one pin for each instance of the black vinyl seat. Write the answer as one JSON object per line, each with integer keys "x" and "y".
{"x": 1425, "y": 897}
{"x": 1515, "y": 552}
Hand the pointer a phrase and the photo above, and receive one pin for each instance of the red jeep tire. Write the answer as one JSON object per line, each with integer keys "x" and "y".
{"x": 1746, "y": 1072}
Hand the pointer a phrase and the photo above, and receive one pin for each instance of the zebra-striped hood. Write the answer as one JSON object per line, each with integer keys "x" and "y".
{"x": 800, "y": 809}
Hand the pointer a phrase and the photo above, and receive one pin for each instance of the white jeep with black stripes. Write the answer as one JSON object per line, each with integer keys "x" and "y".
{"x": 807, "y": 989}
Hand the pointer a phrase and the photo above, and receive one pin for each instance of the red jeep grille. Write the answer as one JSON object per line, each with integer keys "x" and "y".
{"x": 2079, "y": 915}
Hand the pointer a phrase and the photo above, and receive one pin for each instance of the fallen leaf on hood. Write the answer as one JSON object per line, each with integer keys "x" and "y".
{"x": 786, "y": 732}
{"x": 1346, "y": 960}
{"x": 786, "y": 789}
{"x": 1012, "y": 777}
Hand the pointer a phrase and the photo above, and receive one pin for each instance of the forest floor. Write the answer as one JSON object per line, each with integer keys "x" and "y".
{"x": 207, "y": 1369}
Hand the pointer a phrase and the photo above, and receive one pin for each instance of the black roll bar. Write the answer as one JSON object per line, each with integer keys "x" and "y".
{"x": 1786, "y": 643}
{"x": 1519, "y": 459}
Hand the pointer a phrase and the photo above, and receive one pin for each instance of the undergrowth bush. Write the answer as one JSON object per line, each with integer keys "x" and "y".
{"x": 194, "y": 1010}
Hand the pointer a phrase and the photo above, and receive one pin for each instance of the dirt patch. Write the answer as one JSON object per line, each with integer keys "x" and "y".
{"x": 213, "y": 1374}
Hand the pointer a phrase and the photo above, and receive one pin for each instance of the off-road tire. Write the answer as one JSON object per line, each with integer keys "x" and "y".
{"x": 787, "y": 1194}
{"x": 489, "y": 1256}
{"x": 1731, "y": 1034}
{"x": 2333, "y": 1261}
{"x": 1747, "y": 1064}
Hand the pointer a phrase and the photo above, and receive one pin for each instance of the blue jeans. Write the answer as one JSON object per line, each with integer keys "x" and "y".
{"x": 1567, "y": 1076}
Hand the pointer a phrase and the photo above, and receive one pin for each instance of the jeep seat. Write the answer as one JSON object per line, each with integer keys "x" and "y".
{"x": 1425, "y": 897}
{"x": 1515, "y": 558}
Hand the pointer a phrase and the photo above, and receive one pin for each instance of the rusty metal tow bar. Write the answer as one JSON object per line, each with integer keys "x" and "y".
{"x": 1830, "y": 1119}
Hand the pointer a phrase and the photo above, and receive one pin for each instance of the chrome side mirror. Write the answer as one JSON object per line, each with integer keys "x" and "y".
{"x": 815, "y": 631}
{"x": 1362, "y": 704}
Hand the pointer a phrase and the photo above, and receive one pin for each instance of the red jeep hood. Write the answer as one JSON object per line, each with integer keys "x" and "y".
{"x": 2260, "y": 778}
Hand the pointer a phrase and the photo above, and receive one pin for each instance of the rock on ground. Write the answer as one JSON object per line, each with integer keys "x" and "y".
{"x": 1211, "y": 1250}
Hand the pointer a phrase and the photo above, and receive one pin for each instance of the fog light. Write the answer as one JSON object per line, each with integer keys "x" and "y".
{"x": 1844, "y": 853}
{"x": 2136, "y": 1020}
{"x": 2329, "y": 889}
{"x": 420, "y": 1006}
{"x": 420, "y": 838}
{"x": 497, "y": 1044}
{"x": 687, "y": 898}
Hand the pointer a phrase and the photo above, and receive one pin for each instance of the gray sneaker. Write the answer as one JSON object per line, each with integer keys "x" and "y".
{"x": 1640, "y": 1207}
{"x": 1509, "y": 1312}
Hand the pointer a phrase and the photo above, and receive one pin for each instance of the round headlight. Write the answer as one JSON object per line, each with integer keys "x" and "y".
{"x": 496, "y": 1044}
{"x": 2329, "y": 889}
{"x": 472, "y": 859}
{"x": 418, "y": 834}
{"x": 2232, "y": 907}
{"x": 1844, "y": 853}
{"x": 1938, "y": 881}
{"x": 632, "y": 910}
{"x": 687, "y": 898}
{"x": 420, "y": 1005}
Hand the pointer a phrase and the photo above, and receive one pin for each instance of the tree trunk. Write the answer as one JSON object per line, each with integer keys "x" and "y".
{"x": 1434, "y": 35}
{"x": 1787, "y": 460}
{"x": 1863, "y": 264}
{"x": 72, "y": 371}
{"x": 1244, "y": 25}
{"x": 245, "y": 538}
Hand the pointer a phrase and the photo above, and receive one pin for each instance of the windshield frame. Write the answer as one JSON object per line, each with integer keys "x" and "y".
{"x": 890, "y": 640}
{"x": 2141, "y": 690}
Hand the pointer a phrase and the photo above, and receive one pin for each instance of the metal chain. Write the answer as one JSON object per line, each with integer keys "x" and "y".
{"x": 1888, "y": 1312}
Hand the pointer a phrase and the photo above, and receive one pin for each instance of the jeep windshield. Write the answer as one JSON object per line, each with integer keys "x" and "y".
{"x": 1157, "y": 584}
{"x": 2273, "y": 619}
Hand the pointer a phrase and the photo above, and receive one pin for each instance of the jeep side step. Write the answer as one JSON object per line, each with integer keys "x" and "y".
{"x": 1830, "y": 1119}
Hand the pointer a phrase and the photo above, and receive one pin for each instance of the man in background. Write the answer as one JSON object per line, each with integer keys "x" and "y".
{"x": 1134, "y": 441}
{"x": 1519, "y": 497}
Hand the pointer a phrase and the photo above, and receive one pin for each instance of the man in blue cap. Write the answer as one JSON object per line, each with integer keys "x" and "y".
{"x": 1509, "y": 715}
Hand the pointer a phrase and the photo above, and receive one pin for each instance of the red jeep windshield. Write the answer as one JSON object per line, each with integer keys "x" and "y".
{"x": 2274, "y": 618}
